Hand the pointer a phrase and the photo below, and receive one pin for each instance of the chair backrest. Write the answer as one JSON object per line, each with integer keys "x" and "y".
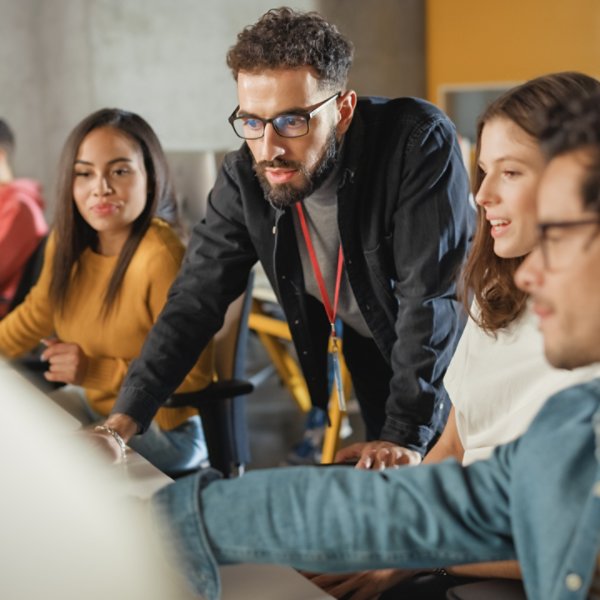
{"x": 231, "y": 339}
{"x": 31, "y": 272}
{"x": 224, "y": 422}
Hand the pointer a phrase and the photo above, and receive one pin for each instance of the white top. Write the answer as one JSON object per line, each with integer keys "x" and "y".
{"x": 498, "y": 384}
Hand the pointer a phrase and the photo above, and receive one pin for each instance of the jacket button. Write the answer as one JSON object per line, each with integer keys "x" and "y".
{"x": 297, "y": 322}
{"x": 573, "y": 582}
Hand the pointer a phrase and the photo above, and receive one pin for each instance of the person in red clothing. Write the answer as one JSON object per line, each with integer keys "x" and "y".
{"x": 22, "y": 221}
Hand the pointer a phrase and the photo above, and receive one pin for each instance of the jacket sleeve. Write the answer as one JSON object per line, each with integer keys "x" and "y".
{"x": 18, "y": 238}
{"x": 214, "y": 273}
{"x": 22, "y": 329}
{"x": 432, "y": 226}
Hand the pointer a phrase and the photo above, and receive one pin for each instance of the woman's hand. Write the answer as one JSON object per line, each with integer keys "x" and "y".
{"x": 68, "y": 362}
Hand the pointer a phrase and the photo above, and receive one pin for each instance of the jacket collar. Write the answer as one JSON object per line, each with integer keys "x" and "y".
{"x": 354, "y": 147}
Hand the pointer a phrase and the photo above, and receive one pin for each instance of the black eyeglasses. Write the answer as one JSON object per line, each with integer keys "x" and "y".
{"x": 559, "y": 251}
{"x": 289, "y": 125}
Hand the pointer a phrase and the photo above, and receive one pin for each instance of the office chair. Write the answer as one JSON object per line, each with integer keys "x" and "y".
{"x": 222, "y": 404}
{"x": 31, "y": 272}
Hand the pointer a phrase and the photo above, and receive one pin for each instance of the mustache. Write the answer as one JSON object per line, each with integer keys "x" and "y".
{"x": 277, "y": 163}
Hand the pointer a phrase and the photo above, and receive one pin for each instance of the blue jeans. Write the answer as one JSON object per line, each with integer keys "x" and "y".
{"x": 174, "y": 452}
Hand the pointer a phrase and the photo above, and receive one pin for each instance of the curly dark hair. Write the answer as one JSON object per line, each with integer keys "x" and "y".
{"x": 573, "y": 127}
{"x": 287, "y": 39}
{"x": 488, "y": 277}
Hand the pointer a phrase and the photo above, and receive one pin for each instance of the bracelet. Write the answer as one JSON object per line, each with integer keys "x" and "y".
{"x": 118, "y": 438}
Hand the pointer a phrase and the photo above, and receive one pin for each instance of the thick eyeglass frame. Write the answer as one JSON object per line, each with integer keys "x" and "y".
{"x": 307, "y": 115}
{"x": 543, "y": 229}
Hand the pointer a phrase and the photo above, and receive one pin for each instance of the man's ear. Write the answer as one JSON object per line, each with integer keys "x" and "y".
{"x": 347, "y": 104}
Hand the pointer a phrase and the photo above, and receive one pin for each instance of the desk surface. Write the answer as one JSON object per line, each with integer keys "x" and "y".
{"x": 137, "y": 477}
{"x": 240, "y": 582}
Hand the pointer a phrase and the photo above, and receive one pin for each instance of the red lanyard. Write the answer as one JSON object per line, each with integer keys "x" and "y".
{"x": 330, "y": 311}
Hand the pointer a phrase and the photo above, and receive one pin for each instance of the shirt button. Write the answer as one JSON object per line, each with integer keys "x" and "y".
{"x": 573, "y": 582}
{"x": 597, "y": 489}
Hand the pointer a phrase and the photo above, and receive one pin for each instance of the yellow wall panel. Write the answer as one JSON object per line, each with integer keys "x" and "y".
{"x": 486, "y": 41}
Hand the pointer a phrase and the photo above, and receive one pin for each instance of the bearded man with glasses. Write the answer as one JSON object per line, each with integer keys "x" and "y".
{"x": 358, "y": 211}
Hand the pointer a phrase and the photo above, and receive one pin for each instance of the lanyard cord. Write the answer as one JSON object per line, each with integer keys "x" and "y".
{"x": 329, "y": 310}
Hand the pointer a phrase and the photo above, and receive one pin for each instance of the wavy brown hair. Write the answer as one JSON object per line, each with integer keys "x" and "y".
{"x": 74, "y": 235}
{"x": 287, "y": 39}
{"x": 487, "y": 277}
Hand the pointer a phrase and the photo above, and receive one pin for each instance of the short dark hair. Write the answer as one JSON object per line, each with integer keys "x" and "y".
{"x": 287, "y": 39}
{"x": 7, "y": 138}
{"x": 73, "y": 234}
{"x": 572, "y": 127}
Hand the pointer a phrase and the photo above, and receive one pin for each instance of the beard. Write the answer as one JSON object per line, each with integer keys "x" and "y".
{"x": 286, "y": 194}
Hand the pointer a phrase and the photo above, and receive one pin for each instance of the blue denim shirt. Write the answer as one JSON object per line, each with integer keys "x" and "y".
{"x": 536, "y": 499}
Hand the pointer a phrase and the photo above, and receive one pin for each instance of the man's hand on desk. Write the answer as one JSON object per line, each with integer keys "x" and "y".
{"x": 123, "y": 425}
{"x": 378, "y": 455}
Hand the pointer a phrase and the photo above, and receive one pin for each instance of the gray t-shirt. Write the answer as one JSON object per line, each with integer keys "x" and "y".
{"x": 320, "y": 209}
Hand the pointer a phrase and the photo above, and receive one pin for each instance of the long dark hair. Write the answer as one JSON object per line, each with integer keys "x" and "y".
{"x": 489, "y": 277}
{"x": 74, "y": 235}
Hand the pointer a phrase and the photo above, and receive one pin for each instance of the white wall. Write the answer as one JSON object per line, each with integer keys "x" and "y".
{"x": 165, "y": 59}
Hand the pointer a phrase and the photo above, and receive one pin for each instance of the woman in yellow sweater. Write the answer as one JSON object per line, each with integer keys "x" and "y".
{"x": 108, "y": 267}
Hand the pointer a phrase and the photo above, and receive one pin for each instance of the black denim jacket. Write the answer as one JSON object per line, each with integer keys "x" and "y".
{"x": 405, "y": 223}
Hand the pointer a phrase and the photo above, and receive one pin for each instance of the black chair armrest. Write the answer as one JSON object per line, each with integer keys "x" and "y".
{"x": 214, "y": 392}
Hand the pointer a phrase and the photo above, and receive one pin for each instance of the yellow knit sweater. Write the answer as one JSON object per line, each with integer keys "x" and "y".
{"x": 110, "y": 343}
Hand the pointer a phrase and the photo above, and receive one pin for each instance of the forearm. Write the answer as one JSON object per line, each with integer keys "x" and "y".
{"x": 509, "y": 569}
{"x": 449, "y": 445}
{"x": 351, "y": 520}
{"x": 194, "y": 312}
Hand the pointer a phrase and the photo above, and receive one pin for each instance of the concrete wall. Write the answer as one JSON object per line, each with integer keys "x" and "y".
{"x": 165, "y": 59}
